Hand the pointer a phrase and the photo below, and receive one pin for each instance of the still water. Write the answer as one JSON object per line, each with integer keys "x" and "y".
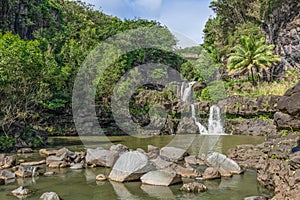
{"x": 81, "y": 184}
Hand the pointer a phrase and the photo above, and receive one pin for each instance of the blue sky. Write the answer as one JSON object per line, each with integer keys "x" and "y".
{"x": 185, "y": 17}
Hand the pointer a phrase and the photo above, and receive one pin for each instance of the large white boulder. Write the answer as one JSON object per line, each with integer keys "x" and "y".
{"x": 172, "y": 153}
{"x": 219, "y": 160}
{"x": 101, "y": 157}
{"x": 161, "y": 177}
{"x": 130, "y": 166}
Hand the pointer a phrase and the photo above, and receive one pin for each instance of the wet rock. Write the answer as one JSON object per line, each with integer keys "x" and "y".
{"x": 101, "y": 157}
{"x": 50, "y": 196}
{"x": 101, "y": 177}
{"x": 66, "y": 153}
{"x": 211, "y": 173}
{"x": 25, "y": 150}
{"x": 161, "y": 177}
{"x": 21, "y": 192}
{"x": 187, "y": 126}
{"x": 7, "y": 175}
{"x": 224, "y": 173}
{"x": 7, "y": 161}
{"x": 194, "y": 187}
{"x": 26, "y": 171}
{"x": 193, "y": 160}
{"x": 130, "y": 166}
{"x": 219, "y": 160}
{"x": 186, "y": 172}
{"x": 45, "y": 152}
{"x": 76, "y": 166}
{"x": 119, "y": 148}
{"x": 173, "y": 154}
{"x": 56, "y": 162}
{"x": 161, "y": 163}
{"x": 255, "y": 198}
{"x": 153, "y": 152}
{"x": 33, "y": 163}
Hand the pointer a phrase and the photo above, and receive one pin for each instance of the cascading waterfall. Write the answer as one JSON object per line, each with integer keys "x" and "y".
{"x": 214, "y": 122}
{"x": 202, "y": 129}
{"x": 186, "y": 94}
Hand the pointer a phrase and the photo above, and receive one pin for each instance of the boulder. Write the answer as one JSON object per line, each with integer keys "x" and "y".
{"x": 187, "y": 126}
{"x": 21, "y": 192}
{"x": 172, "y": 153}
{"x": 7, "y": 175}
{"x": 193, "y": 160}
{"x": 161, "y": 178}
{"x": 25, "y": 150}
{"x": 186, "y": 172}
{"x": 219, "y": 160}
{"x": 153, "y": 152}
{"x": 161, "y": 163}
{"x": 130, "y": 166}
{"x": 66, "y": 153}
{"x": 288, "y": 116}
{"x": 7, "y": 161}
{"x": 50, "y": 196}
{"x": 211, "y": 173}
{"x": 76, "y": 166}
{"x": 119, "y": 148}
{"x": 101, "y": 157}
{"x": 26, "y": 171}
{"x": 33, "y": 163}
{"x": 101, "y": 177}
{"x": 195, "y": 187}
{"x": 286, "y": 121}
{"x": 224, "y": 172}
{"x": 45, "y": 152}
{"x": 56, "y": 162}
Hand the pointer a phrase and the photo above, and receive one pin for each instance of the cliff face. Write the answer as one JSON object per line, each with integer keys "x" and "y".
{"x": 23, "y": 17}
{"x": 283, "y": 30}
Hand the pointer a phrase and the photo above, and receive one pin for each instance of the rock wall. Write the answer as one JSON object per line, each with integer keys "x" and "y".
{"x": 288, "y": 116}
{"x": 283, "y": 29}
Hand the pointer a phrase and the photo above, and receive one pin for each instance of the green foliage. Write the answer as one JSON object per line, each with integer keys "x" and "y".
{"x": 214, "y": 92}
{"x": 253, "y": 56}
{"x": 6, "y": 142}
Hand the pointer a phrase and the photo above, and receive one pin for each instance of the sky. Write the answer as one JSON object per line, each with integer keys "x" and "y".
{"x": 185, "y": 18}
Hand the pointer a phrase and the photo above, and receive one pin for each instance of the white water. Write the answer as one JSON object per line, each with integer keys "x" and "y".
{"x": 202, "y": 129}
{"x": 215, "y": 126}
{"x": 186, "y": 94}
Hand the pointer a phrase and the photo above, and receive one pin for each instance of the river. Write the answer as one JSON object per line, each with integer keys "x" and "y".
{"x": 81, "y": 184}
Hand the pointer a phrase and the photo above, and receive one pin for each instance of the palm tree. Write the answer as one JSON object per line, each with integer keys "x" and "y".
{"x": 251, "y": 55}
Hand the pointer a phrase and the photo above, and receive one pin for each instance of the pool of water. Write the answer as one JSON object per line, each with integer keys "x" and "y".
{"x": 81, "y": 184}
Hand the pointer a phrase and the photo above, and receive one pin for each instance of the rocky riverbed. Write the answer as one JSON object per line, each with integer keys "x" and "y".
{"x": 158, "y": 167}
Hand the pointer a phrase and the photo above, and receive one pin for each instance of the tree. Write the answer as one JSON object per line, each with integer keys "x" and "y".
{"x": 251, "y": 55}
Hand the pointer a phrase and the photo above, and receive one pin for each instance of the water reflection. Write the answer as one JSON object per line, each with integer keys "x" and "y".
{"x": 158, "y": 192}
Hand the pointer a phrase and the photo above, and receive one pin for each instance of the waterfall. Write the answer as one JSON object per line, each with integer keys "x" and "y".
{"x": 202, "y": 129}
{"x": 186, "y": 94}
{"x": 214, "y": 122}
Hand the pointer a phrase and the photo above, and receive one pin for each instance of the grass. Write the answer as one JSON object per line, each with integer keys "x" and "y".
{"x": 244, "y": 88}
